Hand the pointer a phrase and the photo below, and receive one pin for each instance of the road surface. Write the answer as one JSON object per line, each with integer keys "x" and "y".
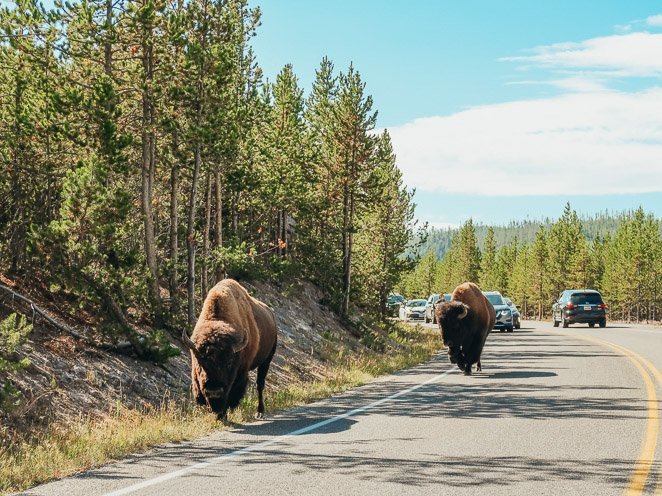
{"x": 554, "y": 412}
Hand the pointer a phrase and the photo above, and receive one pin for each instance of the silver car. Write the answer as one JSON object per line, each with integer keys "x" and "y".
{"x": 516, "y": 314}
{"x": 432, "y": 302}
{"x": 413, "y": 310}
{"x": 504, "y": 315}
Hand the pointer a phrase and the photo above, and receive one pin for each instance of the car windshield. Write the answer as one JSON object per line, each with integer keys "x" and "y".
{"x": 495, "y": 299}
{"x": 416, "y": 303}
{"x": 395, "y": 299}
{"x": 586, "y": 299}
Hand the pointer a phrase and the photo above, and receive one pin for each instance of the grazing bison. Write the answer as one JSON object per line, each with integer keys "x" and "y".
{"x": 465, "y": 322}
{"x": 235, "y": 333}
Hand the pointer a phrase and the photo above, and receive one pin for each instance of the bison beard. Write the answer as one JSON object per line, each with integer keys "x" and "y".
{"x": 235, "y": 333}
{"x": 465, "y": 322}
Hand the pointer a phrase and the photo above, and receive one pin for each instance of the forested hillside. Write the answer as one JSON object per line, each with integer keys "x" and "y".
{"x": 624, "y": 262}
{"x": 143, "y": 157}
{"x": 593, "y": 226}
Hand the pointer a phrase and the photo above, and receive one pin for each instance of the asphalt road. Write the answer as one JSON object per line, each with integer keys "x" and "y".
{"x": 554, "y": 412}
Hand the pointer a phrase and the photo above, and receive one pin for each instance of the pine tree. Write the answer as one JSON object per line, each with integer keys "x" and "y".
{"x": 467, "y": 261}
{"x": 385, "y": 232}
{"x": 353, "y": 121}
{"x": 488, "y": 275}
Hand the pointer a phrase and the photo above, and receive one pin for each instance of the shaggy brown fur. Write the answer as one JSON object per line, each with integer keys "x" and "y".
{"x": 465, "y": 323}
{"x": 235, "y": 333}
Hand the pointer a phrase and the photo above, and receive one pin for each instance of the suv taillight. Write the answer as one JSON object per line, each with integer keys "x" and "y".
{"x": 569, "y": 305}
{"x": 602, "y": 305}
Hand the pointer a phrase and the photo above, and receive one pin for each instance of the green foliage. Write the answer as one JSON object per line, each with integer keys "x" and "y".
{"x": 159, "y": 349}
{"x": 143, "y": 158}
{"x": 14, "y": 331}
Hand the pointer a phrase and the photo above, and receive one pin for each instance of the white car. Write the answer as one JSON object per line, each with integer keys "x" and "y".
{"x": 412, "y": 310}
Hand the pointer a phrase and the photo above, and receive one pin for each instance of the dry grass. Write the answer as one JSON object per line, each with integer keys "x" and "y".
{"x": 59, "y": 452}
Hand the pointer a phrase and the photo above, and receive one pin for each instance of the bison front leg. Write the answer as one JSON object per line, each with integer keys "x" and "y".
{"x": 261, "y": 380}
{"x": 238, "y": 390}
{"x": 197, "y": 390}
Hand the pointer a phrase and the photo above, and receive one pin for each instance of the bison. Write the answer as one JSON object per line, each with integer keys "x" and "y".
{"x": 465, "y": 322}
{"x": 235, "y": 333}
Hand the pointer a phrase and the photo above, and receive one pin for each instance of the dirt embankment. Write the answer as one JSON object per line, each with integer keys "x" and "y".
{"x": 70, "y": 378}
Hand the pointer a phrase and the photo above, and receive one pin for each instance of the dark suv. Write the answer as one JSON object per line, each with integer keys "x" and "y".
{"x": 579, "y": 306}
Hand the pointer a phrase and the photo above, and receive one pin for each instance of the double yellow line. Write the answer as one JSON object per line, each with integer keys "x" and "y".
{"x": 646, "y": 459}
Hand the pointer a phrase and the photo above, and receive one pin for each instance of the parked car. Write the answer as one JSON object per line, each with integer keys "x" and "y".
{"x": 579, "y": 306}
{"x": 413, "y": 310}
{"x": 504, "y": 315}
{"x": 429, "y": 309}
{"x": 515, "y": 311}
{"x": 432, "y": 302}
{"x": 393, "y": 304}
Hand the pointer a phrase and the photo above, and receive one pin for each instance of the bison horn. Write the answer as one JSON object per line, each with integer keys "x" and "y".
{"x": 187, "y": 341}
{"x": 239, "y": 345}
{"x": 465, "y": 310}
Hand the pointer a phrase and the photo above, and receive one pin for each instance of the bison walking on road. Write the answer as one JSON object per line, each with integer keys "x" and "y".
{"x": 235, "y": 333}
{"x": 465, "y": 322}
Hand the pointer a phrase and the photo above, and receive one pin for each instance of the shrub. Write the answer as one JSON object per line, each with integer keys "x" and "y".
{"x": 13, "y": 334}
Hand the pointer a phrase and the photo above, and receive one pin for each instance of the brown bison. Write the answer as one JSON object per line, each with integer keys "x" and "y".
{"x": 235, "y": 333}
{"x": 465, "y": 322}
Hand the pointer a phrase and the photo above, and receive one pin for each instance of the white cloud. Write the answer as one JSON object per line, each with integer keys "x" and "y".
{"x": 574, "y": 83}
{"x": 655, "y": 20}
{"x": 632, "y": 54}
{"x": 580, "y": 143}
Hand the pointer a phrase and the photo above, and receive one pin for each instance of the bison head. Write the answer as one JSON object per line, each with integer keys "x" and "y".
{"x": 216, "y": 361}
{"x": 450, "y": 316}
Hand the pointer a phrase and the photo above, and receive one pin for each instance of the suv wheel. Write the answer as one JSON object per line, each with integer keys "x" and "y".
{"x": 591, "y": 324}
{"x": 564, "y": 321}
{"x": 603, "y": 323}
{"x": 509, "y": 329}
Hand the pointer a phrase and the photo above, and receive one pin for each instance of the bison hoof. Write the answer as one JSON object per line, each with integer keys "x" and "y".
{"x": 467, "y": 370}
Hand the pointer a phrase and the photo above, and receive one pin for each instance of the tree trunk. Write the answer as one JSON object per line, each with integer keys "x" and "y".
{"x": 107, "y": 45}
{"x": 278, "y": 231}
{"x": 218, "y": 220}
{"x": 147, "y": 174}
{"x": 17, "y": 233}
{"x": 204, "y": 282}
{"x": 174, "y": 248}
{"x": 190, "y": 237}
{"x": 345, "y": 251}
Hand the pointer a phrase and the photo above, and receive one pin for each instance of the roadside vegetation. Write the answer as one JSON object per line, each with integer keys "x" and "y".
{"x": 623, "y": 262}
{"x": 144, "y": 157}
{"x": 61, "y": 451}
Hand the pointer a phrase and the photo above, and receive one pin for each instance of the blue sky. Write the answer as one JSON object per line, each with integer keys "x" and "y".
{"x": 498, "y": 110}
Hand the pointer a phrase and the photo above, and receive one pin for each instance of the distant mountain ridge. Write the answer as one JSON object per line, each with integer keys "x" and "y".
{"x": 601, "y": 224}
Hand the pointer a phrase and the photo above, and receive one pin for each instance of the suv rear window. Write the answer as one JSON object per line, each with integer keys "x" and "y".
{"x": 495, "y": 299}
{"x": 586, "y": 298}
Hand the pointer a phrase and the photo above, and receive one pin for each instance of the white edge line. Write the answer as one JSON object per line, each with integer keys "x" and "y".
{"x": 227, "y": 456}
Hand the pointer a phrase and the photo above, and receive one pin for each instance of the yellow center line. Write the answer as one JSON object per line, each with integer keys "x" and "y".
{"x": 646, "y": 458}
{"x": 658, "y": 376}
